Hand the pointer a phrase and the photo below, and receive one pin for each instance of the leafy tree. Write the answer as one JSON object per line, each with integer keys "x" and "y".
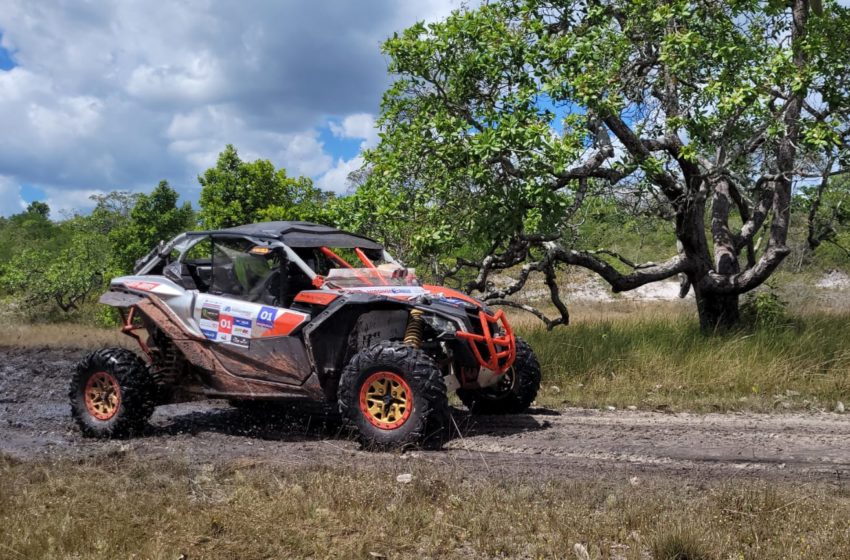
{"x": 236, "y": 192}
{"x": 828, "y": 206}
{"x": 154, "y": 217}
{"x": 505, "y": 120}
{"x": 63, "y": 276}
{"x": 31, "y": 228}
{"x": 66, "y": 263}
{"x": 301, "y": 201}
{"x": 39, "y": 208}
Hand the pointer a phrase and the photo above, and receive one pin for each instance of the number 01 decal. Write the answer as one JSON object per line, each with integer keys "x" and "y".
{"x": 266, "y": 317}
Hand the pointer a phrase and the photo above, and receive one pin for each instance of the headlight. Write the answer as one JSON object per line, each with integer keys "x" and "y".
{"x": 441, "y": 324}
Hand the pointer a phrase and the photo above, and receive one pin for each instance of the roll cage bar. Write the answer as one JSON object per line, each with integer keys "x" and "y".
{"x": 185, "y": 241}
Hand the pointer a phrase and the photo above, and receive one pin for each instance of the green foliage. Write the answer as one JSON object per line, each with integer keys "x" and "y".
{"x": 59, "y": 267}
{"x": 53, "y": 277}
{"x": 829, "y": 220}
{"x": 154, "y": 217}
{"x": 31, "y": 228}
{"x": 236, "y": 192}
{"x": 764, "y": 308}
{"x": 39, "y": 208}
{"x": 487, "y": 128}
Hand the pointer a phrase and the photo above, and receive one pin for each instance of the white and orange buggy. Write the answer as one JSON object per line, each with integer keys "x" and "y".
{"x": 275, "y": 311}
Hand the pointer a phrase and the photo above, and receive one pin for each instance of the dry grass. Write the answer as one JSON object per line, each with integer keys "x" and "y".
{"x": 120, "y": 507}
{"x": 61, "y": 335}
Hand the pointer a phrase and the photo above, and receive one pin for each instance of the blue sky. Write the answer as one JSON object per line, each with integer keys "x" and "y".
{"x": 103, "y": 96}
{"x": 6, "y": 60}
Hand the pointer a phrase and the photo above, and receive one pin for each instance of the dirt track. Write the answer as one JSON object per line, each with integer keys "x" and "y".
{"x": 35, "y": 423}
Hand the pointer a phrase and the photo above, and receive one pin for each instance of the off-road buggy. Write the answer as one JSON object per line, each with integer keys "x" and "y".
{"x": 275, "y": 311}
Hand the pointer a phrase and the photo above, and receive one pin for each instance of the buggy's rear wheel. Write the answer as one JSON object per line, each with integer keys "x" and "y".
{"x": 394, "y": 395}
{"x": 112, "y": 393}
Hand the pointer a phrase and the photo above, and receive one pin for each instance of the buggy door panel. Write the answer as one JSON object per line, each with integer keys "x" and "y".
{"x": 253, "y": 340}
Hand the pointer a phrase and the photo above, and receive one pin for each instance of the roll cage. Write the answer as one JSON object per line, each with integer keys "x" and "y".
{"x": 171, "y": 259}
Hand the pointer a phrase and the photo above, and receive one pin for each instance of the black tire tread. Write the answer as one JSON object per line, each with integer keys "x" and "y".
{"x": 138, "y": 393}
{"x": 429, "y": 421}
{"x": 527, "y": 368}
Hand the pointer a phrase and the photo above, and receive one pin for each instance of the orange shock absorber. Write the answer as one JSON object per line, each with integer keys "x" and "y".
{"x": 415, "y": 328}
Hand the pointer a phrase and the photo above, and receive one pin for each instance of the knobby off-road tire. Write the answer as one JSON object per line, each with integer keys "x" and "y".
{"x": 112, "y": 393}
{"x": 409, "y": 376}
{"x": 514, "y": 393}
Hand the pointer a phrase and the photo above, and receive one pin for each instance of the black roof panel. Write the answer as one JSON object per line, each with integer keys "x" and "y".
{"x": 303, "y": 234}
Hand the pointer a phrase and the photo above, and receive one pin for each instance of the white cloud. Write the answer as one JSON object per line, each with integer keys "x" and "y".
{"x": 64, "y": 203}
{"x": 359, "y": 125}
{"x": 10, "y": 197}
{"x": 120, "y": 95}
{"x": 336, "y": 179}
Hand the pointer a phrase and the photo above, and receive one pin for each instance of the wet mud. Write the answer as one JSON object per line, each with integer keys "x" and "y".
{"x": 35, "y": 423}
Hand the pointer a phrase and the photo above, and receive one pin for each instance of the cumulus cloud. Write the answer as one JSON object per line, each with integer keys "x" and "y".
{"x": 119, "y": 95}
{"x": 360, "y": 125}
{"x": 336, "y": 179}
{"x": 10, "y": 197}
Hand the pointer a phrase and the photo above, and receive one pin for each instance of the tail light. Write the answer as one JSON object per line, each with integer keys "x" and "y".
{"x": 496, "y": 353}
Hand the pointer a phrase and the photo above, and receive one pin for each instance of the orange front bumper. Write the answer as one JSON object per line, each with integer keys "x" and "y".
{"x": 496, "y": 353}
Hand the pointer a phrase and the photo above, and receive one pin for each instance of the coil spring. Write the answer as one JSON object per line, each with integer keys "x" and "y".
{"x": 415, "y": 328}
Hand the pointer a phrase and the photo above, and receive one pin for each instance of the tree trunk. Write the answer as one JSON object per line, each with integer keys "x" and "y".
{"x": 717, "y": 312}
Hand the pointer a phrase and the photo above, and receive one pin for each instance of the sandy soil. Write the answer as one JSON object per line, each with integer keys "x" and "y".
{"x": 570, "y": 443}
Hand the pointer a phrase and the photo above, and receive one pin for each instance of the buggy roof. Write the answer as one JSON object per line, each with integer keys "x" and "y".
{"x": 300, "y": 234}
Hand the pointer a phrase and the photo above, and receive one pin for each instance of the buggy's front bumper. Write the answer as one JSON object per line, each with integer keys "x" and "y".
{"x": 495, "y": 347}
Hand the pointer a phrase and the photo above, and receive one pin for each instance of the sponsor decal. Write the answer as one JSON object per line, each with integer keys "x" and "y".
{"x": 209, "y": 325}
{"x": 266, "y": 317}
{"x": 412, "y": 290}
{"x": 212, "y": 335}
{"x": 224, "y": 337}
{"x": 242, "y": 327}
{"x": 209, "y": 313}
{"x": 237, "y": 312}
{"x": 454, "y": 301}
{"x": 225, "y": 324}
{"x": 240, "y": 341}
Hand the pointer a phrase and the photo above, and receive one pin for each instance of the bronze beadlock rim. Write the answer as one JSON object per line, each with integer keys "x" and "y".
{"x": 102, "y": 395}
{"x": 386, "y": 400}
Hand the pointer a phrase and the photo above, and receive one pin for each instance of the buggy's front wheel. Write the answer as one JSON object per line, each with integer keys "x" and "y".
{"x": 112, "y": 393}
{"x": 394, "y": 395}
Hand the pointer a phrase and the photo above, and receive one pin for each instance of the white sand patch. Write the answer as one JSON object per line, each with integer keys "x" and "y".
{"x": 834, "y": 280}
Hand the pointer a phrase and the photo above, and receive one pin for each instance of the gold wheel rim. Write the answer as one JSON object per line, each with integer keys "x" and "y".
{"x": 386, "y": 400}
{"x": 102, "y": 395}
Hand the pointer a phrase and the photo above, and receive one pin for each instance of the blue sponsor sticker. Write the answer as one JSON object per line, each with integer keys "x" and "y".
{"x": 266, "y": 317}
{"x": 240, "y": 322}
{"x": 209, "y": 334}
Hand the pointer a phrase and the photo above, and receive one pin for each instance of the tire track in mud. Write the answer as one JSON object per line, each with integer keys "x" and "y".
{"x": 577, "y": 443}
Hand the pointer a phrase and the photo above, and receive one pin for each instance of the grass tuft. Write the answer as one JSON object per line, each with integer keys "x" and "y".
{"x": 679, "y": 545}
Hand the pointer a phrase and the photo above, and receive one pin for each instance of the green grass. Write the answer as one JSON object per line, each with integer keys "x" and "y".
{"x": 120, "y": 507}
{"x": 659, "y": 361}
